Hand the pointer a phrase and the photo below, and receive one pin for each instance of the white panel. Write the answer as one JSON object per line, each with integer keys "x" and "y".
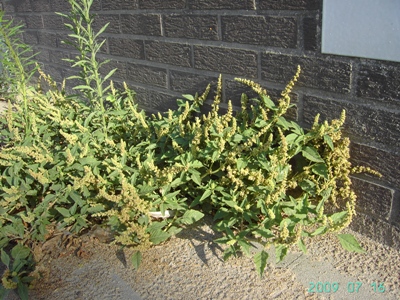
{"x": 362, "y": 28}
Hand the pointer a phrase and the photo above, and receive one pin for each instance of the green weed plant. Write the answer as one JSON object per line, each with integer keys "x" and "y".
{"x": 67, "y": 160}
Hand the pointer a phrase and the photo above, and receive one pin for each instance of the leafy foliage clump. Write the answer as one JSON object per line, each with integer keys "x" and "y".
{"x": 68, "y": 161}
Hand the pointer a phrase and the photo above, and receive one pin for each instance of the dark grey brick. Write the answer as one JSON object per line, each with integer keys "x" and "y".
{"x": 289, "y": 4}
{"x": 144, "y": 24}
{"x": 120, "y": 4}
{"x": 30, "y": 37}
{"x": 324, "y": 74}
{"x": 9, "y": 7}
{"x": 42, "y": 55}
{"x": 153, "y": 101}
{"x": 126, "y": 47}
{"x": 168, "y": 53}
{"x": 387, "y": 163}
{"x": 193, "y": 27}
{"x": 380, "y": 81}
{"x": 49, "y": 39}
{"x": 41, "y": 5}
{"x": 54, "y": 71}
{"x": 310, "y": 34}
{"x": 101, "y": 20}
{"x": 34, "y": 22}
{"x": 226, "y": 60}
{"x": 221, "y": 4}
{"x": 372, "y": 199}
{"x": 53, "y": 22}
{"x": 376, "y": 229}
{"x": 60, "y": 6}
{"x": 57, "y": 57}
{"x": 162, "y": 4}
{"x": 63, "y": 37}
{"x": 260, "y": 30}
{"x": 147, "y": 75}
{"x": 114, "y": 64}
{"x": 234, "y": 91}
{"x": 189, "y": 83}
{"x": 368, "y": 123}
{"x": 22, "y": 6}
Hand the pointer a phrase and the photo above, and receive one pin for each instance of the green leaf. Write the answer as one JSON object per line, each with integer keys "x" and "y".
{"x": 196, "y": 179}
{"x": 63, "y": 211}
{"x": 307, "y": 186}
{"x": 339, "y": 217}
{"x": 5, "y": 258}
{"x": 302, "y": 246}
{"x": 319, "y": 231}
{"x": 188, "y": 96}
{"x": 229, "y": 252}
{"x": 191, "y": 216}
{"x": 280, "y": 252}
{"x": 260, "y": 260}
{"x": 245, "y": 247}
{"x": 349, "y": 243}
{"x": 22, "y": 290}
{"x": 136, "y": 259}
{"x": 328, "y": 140}
{"x": 268, "y": 103}
{"x": 320, "y": 169}
{"x": 312, "y": 154}
{"x": 20, "y": 252}
{"x": 158, "y": 237}
{"x": 206, "y": 194}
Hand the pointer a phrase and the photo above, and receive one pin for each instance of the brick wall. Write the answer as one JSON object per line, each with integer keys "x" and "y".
{"x": 164, "y": 48}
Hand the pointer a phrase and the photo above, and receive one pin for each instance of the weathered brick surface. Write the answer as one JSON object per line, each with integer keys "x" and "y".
{"x": 290, "y": 4}
{"x": 55, "y": 71}
{"x": 30, "y": 37}
{"x": 193, "y": 27}
{"x": 40, "y": 5}
{"x": 60, "y": 5}
{"x": 310, "y": 33}
{"x": 42, "y": 54}
{"x": 62, "y": 38}
{"x": 113, "y": 26}
{"x": 53, "y": 22}
{"x": 260, "y": 30}
{"x": 119, "y": 4}
{"x": 221, "y": 4}
{"x": 153, "y": 100}
{"x": 162, "y": 4}
{"x": 226, "y": 60}
{"x": 148, "y": 75}
{"x": 372, "y": 198}
{"x": 234, "y": 90}
{"x": 48, "y": 38}
{"x": 379, "y": 81}
{"x": 189, "y": 83}
{"x": 169, "y": 53}
{"x": 325, "y": 74}
{"x": 371, "y": 124}
{"x": 34, "y": 22}
{"x": 57, "y": 57}
{"x": 8, "y": 7}
{"x": 126, "y": 47}
{"x": 114, "y": 64}
{"x": 22, "y": 6}
{"x": 143, "y": 24}
{"x": 387, "y": 163}
{"x": 376, "y": 229}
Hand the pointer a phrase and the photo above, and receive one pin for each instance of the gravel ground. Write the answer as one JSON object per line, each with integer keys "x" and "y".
{"x": 190, "y": 266}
